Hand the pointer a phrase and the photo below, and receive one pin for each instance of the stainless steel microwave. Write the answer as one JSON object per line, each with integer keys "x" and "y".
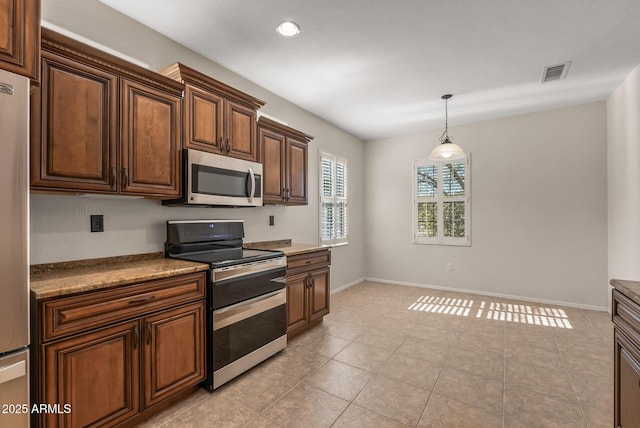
{"x": 215, "y": 180}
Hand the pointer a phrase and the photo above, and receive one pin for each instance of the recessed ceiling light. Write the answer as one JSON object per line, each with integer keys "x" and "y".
{"x": 288, "y": 28}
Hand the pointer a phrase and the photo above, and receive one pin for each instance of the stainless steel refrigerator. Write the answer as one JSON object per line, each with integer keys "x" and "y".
{"x": 14, "y": 250}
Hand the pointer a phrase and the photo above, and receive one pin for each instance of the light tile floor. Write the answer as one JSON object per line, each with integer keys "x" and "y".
{"x": 397, "y": 356}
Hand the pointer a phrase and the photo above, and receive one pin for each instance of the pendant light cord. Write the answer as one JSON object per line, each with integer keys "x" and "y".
{"x": 444, "y": 138}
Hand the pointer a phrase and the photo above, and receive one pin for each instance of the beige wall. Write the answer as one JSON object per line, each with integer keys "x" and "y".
{"x": 623, "y": 152}
{"x": 60, "y": 224}
{"x": 539, "y": 209}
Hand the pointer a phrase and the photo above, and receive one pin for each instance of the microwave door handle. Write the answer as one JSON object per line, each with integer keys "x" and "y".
{"x": 252, "y": 192}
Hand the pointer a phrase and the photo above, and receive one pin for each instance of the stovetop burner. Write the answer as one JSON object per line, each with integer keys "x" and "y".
{"x": 216, "y": 242}
{"x": 228, "y": 257}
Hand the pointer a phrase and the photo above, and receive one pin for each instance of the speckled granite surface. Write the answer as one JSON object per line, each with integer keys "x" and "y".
{"x": 631, "y": 289}
{"x": 59, "y": 279}
{"x": 286, "y": 246}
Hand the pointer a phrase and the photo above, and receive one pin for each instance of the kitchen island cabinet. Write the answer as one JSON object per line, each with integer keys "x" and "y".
{"x": 284, "y": 156}
{"x": 20, "y": 36}
{"x": 118, "y": 352}
{"x": 102, "y": 125}
{"x": 626, "y": 319}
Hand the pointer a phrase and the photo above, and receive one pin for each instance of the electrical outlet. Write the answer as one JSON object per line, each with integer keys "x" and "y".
{"x": 272, "y": 220}
{"x": 450, "y": 267}
{"x": 97, "y": 223}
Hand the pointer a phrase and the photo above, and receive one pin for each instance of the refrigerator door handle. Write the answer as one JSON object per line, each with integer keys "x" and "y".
{"x": 14, "y": 371}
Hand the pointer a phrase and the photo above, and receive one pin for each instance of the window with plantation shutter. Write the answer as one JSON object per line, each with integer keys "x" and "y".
{"x": 333, "y": 200}
{"x": 441, "y": 198}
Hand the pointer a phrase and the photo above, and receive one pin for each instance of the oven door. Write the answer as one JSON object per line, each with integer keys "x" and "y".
{"x": 221, "y": 180}
{"x": 247, "y": 333}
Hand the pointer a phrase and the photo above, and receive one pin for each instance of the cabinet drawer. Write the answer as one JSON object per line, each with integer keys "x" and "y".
{"x": 309, "y": 260}
{"x": 626, "y": 315}
{"x": 68, "y": 315}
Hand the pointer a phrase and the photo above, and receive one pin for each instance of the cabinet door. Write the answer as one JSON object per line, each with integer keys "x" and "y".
{"x": 627, "y": 383}
{"x": 96, "y": 374}
{"x": 204, "y": 119}
{"x": 319, "y": 294}
{"x": 241, "y": 132}
{"x": 296, "y": 172}
{"x": 19, "y": 36}
{"x": 272, "y": 156}
{"x": 297, "y": 301}
{"x": 73, "y": 142}
{"x": 173, "y": 352}
{"x": 150, "y": 141}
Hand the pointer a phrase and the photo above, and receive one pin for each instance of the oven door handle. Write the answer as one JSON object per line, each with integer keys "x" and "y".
{"x": 253, "y": 185}
{"x": 248, "y": 308}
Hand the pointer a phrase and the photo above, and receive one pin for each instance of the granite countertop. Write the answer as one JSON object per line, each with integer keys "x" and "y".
{"x": 631, "y": 289}
{"x": 286, "y": 246}
{"x": 59, "y": 279}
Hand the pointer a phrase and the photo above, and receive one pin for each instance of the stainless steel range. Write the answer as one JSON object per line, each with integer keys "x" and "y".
{"x": 246, "y": 295}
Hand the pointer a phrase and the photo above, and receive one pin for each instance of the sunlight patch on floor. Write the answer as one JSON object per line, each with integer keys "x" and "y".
{"x": 510, "y": 312}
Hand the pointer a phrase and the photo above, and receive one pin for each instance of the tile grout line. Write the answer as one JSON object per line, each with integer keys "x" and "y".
{"x": 573, "y": 387}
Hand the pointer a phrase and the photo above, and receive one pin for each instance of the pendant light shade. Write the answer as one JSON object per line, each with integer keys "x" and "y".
{"x": 446, "y": 150}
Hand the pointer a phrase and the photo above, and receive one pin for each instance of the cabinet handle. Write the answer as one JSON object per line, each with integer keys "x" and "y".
{"x": 148, "y": 333}
{"x": 141, "y": 301}
{"x": 309, "y": 279}
{"x": 125, "y": 173}
{"x": 228, "y": 145}
{"x": 136, "y": 336}
{"x": 222, "y": 145}
{"x": 113, "y": 176}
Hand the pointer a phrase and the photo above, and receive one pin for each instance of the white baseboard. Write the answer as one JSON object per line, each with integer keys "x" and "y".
{"x": 344, "y": 287}
{"x": 483, "y": 293}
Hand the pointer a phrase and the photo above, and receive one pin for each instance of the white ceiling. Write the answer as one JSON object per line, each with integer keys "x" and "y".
{"x": 377, "y": 68}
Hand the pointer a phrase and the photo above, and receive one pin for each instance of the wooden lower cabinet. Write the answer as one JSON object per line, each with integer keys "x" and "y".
{"x": 626, "y": 320}
{"x": 627, "y": 383}
{"x": 173, "y": 352}
{"x": 96, "y": 374}
{"x": 120, "y": 372}
{"x": 308, "y": 290}
{"x": 297, "y": 301}
{"x": 319, "y": 292}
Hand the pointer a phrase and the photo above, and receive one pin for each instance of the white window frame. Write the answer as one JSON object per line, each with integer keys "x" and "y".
{"x": 440, "y": 239}
{"x": 334, "y": 199}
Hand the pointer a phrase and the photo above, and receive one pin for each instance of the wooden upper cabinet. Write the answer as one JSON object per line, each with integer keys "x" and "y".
{"x": 150, "y": 141}
{"x": 297, "y": 171}
{"x": 204, "y": 120}
{"x": 20, "y": 36}
{"x": 102, "y": 125}
{"x": 283, "y": 152}
{"x": 241, "y": 132}
{"x": 75, "y": 148}
{"x": 272, "y": 155}
{"x": 218, "y": 118}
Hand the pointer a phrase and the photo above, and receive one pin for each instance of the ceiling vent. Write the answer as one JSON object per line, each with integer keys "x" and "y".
{"x": 555, "y": 72}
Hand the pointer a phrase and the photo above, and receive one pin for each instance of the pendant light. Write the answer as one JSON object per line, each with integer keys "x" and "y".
{"x": 446, "y": 150}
